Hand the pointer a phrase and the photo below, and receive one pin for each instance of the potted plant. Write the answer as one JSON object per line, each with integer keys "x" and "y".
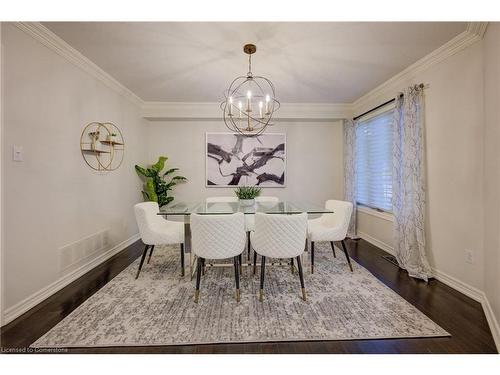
{"x": 247, "y": 194}
{"x": 111, "y": 137}
{"x": 94, "y": 136}
{"x": 156, "y": 187}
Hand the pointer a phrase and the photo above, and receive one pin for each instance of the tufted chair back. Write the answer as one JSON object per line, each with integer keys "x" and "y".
{"x": 341, "y": 216}
{"x": 218, "y": 236}
{"x": 147, "y": 220}
{"x": 221, "y": 199}
{"x": 264, "y": 201}
{"x": 280, "y": 236}
{"x": 267, "y": 199}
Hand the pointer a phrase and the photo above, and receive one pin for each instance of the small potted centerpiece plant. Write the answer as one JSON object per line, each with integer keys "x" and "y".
{"x": 247, "y": 194}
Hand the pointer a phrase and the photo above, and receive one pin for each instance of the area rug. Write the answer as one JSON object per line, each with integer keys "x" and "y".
{"x": 158, "y": 308}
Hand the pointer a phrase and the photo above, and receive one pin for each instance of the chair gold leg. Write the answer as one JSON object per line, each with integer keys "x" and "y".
{"x": 237, "y": 273}
{"x": 346, "y": 255}
{"x": 312, "y": 257}
{"x": 301, "y": 277}
{"x": 199, "y": 266}
{"x": 182, "y": 259}
{"x": 142, "y": 261}
{"x": 262, "y": 275}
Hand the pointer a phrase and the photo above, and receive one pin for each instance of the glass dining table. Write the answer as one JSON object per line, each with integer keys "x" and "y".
{"x": 185, "y": 209}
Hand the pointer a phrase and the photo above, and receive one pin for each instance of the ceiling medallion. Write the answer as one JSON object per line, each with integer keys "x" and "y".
{"x": 250, "y": 101}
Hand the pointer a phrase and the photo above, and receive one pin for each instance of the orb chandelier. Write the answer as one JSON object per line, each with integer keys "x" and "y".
{"x": 250, "y": 101}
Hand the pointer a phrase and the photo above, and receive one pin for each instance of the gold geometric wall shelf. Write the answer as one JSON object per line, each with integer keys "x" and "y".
{"x": 102, "y": 146}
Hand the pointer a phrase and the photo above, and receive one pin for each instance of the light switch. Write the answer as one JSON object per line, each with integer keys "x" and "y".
{"x": 17, "y": 153}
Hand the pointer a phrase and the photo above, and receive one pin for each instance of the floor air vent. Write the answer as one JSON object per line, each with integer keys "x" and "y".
{"x": 391, "y": 259}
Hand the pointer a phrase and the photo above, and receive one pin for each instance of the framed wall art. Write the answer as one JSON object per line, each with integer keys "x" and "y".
{"x": 237, "y": 160}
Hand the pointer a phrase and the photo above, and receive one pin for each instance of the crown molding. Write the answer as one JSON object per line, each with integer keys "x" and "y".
{"x": 58, "y": 45}
{"x": 289, "y": 111}
{"x": 474, "y": 33}
{"x": 477, "y": 28}
{"x": 168, "y": 111}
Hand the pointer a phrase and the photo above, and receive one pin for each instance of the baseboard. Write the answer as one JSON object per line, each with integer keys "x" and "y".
{"x": 469, "y": 291}
{"x": 492, "y": 321}
{"x": 454, "y": 283}
{"x": 28, "y": 303}
{"x": 376, "y": 242}
{"x": 476, "y": 295}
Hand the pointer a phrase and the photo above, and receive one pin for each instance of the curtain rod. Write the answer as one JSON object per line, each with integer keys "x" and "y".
{"x": 420, "y": 86}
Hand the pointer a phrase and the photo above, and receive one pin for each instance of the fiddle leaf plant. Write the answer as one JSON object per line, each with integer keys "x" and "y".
{"x": 156, "y": 185}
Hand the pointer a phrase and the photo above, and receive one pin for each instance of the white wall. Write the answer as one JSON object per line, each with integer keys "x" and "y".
{"x": 52, "y": 198}
{"x": 2, "y": 264}
{"x": 492, "y": 167}
{"x": 314, "y": 158}
{"x": 454, "y": 147}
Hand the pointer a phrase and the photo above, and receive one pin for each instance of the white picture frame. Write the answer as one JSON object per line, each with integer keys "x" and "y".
{"x": 225, "y": 152}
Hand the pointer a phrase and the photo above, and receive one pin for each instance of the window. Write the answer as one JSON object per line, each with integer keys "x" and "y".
{"x": 374, "y": 161}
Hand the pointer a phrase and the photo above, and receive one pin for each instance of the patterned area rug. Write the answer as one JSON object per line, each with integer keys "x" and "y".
{"x": 158, "y": 308}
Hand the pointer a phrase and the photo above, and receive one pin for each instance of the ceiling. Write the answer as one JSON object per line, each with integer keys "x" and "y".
{"x": 333, "y": 62}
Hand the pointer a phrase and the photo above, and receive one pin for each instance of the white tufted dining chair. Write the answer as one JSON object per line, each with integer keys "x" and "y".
{"x": 331, "y": 227}
{"x": 155, "y": 230}
{"x": 218, "y": 237}
{"x": 221, "y": 199}
{"x": 267, "y": 201}
{"x": 263, "y": 201}
{"x": 279, "y": 236}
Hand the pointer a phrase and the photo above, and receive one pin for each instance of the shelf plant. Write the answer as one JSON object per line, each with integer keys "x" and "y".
{"x": 156, "y": 186}
{"x": 112, "y": 137}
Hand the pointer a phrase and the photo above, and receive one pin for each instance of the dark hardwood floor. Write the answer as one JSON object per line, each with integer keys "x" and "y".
{"x": 461, "y": 316}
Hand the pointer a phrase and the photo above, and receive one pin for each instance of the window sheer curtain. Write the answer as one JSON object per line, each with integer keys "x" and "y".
{"x": 408, "y": 199}
{"x": 349, "y": 172}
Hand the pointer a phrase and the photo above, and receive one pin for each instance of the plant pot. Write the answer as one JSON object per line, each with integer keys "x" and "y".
{"x": 247, "y": 202}
{"x": 111, "y": 138}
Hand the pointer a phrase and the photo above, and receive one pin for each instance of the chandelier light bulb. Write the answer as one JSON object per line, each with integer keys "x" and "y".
{"x": 240, "y": 106}
{"x": 230, "y": 112}
{"x": 249, "y": 101}
{"x": 268, "y": 99}
{"x": 260, "y": 109}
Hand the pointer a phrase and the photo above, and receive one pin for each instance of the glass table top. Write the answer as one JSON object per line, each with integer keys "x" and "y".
{"x": 221, "y": 208}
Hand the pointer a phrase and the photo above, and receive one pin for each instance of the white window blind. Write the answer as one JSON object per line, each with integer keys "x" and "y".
{"x": 374, "y": 161}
